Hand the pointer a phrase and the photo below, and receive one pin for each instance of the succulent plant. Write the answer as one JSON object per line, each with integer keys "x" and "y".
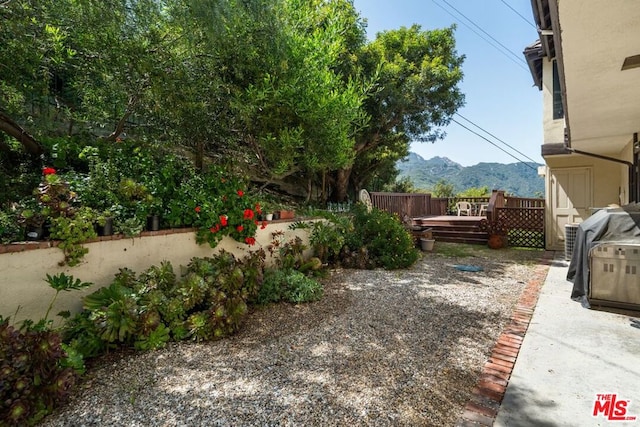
{"x": 33, "y": 378}
{"x": 200, "y": 329}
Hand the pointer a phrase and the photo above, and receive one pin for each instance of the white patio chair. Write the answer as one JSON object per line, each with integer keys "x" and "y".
{"x": 463, "y": 208}
{"x": 483, "y": 210}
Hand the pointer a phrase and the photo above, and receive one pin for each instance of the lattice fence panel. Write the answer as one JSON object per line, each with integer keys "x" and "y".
{"x": 525, "y": 226}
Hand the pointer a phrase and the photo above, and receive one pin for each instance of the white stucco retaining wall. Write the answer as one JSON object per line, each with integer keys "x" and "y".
{"x": 25, "y": 295}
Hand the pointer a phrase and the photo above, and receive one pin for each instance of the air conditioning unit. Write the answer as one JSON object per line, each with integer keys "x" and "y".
{"x": 570, "y": 231}
{"x": 615, "y": 275}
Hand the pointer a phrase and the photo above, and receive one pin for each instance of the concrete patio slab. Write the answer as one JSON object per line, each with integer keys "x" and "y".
{"x": 571, "y": 358}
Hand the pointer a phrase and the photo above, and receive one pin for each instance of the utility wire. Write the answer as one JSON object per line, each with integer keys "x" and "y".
{"x": 515, "y": 55}
{"x": 518, "y": 13}
{"x": 495, "y": 145}
{"x": 518, "y": 62}
{"x": 495, "y": 137}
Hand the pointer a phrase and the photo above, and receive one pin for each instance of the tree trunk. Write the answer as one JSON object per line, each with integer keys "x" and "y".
{"x": 342, "y": 184}
{"x": 11, "y": 128}
{"x": 200, "y": 156}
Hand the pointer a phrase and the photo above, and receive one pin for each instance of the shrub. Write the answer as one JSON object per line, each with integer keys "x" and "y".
{"x": 327, "y": 236}
{"x": 10, "y": 231}
{"x": 382, "y": 237}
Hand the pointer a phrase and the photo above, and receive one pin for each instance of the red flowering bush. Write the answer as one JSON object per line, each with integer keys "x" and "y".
{"x": 227, "y": 210}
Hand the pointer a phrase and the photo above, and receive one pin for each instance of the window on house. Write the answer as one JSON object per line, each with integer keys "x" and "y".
{"x": 558, "y": 110}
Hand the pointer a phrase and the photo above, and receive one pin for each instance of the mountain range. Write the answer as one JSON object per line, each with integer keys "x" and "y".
{"x": 519, "y": 179}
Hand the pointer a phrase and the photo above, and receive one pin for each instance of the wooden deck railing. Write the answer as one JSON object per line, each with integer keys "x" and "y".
{"x": 523, "y": 217}
{"x": 422, "y": 204}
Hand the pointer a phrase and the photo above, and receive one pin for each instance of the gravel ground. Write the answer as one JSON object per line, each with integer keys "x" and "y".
{"x": 382, "y": 348}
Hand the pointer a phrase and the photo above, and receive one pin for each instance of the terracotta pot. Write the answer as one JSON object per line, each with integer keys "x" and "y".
{"x": 287, "y": 214}
{"x": 497, "y": 241}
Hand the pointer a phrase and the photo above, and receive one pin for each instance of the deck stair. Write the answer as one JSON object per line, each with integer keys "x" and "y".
{"x": 454, "y": 229}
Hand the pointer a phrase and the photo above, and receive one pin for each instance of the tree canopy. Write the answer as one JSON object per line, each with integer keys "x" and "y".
{"x": 287, "y": 90}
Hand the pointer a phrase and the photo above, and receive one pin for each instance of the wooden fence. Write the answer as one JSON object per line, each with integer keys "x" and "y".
{"x": 523, "y": 218}
{"x": 411, "y": 204}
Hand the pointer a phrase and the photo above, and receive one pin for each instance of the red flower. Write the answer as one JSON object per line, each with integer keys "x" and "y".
{"x": 48, "y": 171}
{"x": 215, "y": 229}
{"x": 248, "y": 214}
{"x": 264, "y": 225}
{"x": 250, "y": 241}
{"x": 258, "y": 209}
{"x": 223, "y": 220}
{"x": 197, "y": 209}
{"x": 239, "y": 228}
{"x": 240, "y": 193}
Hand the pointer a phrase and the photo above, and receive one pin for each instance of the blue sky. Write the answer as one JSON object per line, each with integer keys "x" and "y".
{"x": 500, "y": 96}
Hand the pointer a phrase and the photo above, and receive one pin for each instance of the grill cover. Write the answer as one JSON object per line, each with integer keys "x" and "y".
{"x": 619, "y": 225}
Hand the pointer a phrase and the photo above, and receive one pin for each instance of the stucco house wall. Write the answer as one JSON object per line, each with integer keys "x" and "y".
{"x": 553, "y": 130}
{"x": 607, "y": 179}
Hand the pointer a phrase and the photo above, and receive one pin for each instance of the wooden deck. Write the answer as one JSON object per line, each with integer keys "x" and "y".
{"x": 521, "y": 218}
{"x": 454, "y": 229}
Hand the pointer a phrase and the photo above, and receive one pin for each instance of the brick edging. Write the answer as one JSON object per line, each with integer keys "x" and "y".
{"x": 483, "y": 406}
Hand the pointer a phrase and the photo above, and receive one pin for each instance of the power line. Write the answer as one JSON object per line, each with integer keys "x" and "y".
{"x": 495, "y": 137}
{"x": 519, "y": 62}
{"x": 515, "y": 55}
{"x": 492, "y": 143}
{"x": 518, "y": 13}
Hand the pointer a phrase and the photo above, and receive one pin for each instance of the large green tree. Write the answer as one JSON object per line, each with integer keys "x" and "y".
{"x": 415, "y": 95}
{"x": 288, "y": 89}
{"x": 301, "y": 117}
{"x": 77, "y": 66}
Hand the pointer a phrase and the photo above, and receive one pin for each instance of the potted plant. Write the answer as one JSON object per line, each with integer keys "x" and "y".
{"x": 72, "y": 230}
{"x": 52, "y": 198}
{"x": 153, "y": 206}
{"x": 426, "y": 244}
{"x": 497, "y": 231}
{"x": 104, "y": 223}
{"x": 287, "y": 214}
{"x": 32, "y": 218}
{"x": 283, "y": 212}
